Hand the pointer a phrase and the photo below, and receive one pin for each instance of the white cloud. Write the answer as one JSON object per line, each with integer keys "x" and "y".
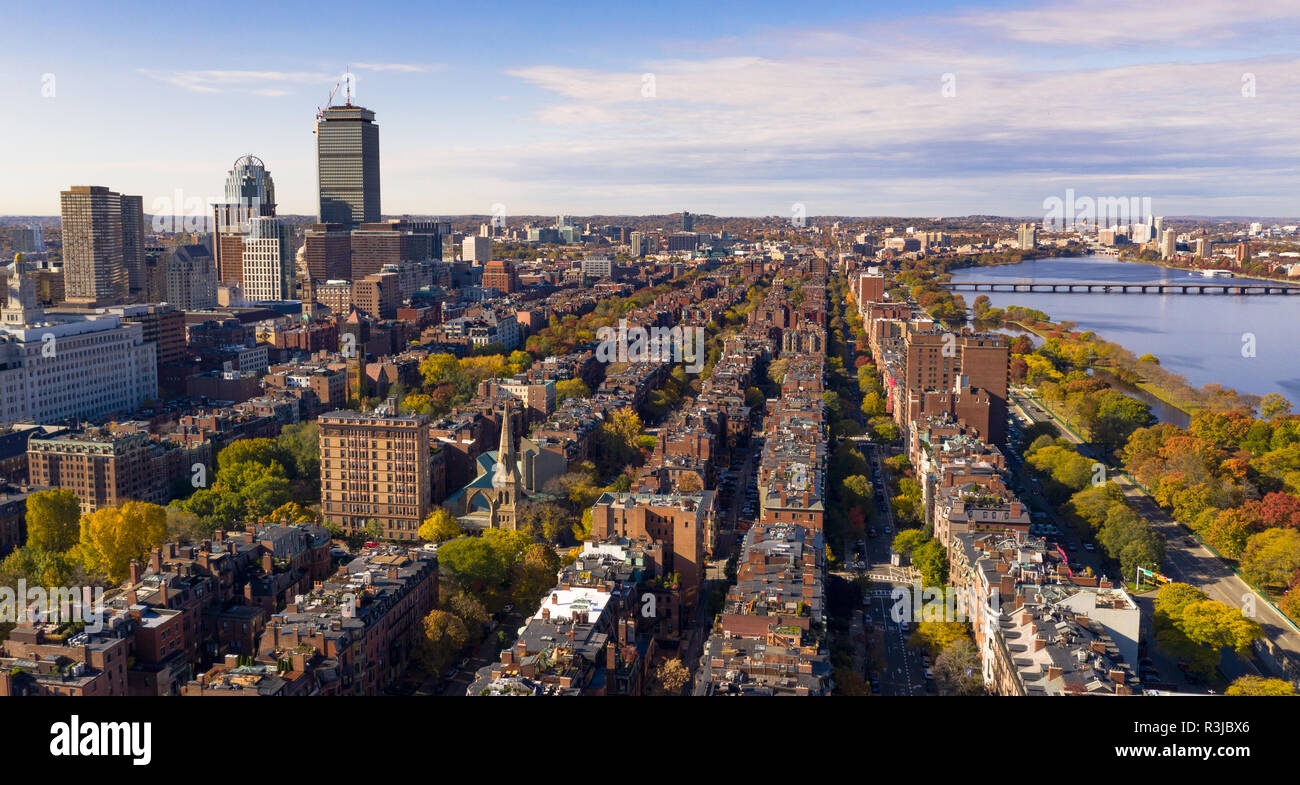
{"x": 218, "y": 81}
{"x": 410, "y": 68}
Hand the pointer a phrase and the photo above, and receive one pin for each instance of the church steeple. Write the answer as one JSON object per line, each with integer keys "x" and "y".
{"x": 506, "y": 480}
{"x": 507, "y": 468}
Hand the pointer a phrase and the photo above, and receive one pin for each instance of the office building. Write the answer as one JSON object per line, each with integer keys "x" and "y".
{"x": 267, "y": 259}
{"x": 476, "y": 249}
{"x": 1027, "y": 237}
{"x": 347, "y": 166}
{"x": 96, "y": 240}
{"x": 56, "y": 367}
{"x": 502, "y": 276}
{"x": 250, "y": 194}
{"x": 1168, "y": 243}
{"x": 328, "y": 253}
{"x": 191, "y": 277}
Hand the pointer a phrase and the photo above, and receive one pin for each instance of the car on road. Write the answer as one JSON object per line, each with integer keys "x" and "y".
{"x": 875, "y": 688}
{"x": 889, "y": 529}
{"x": 871, "y": 532}
{"x": 1071, "y": 547}
{"x": 1089, "y": 547}
{"x": 866, "y": 619}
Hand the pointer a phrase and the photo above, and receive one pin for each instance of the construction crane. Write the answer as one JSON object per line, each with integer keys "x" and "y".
{"x": 347, "y": 77}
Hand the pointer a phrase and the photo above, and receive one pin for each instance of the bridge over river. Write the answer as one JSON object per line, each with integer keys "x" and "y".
{"x": 1209, "y": 286}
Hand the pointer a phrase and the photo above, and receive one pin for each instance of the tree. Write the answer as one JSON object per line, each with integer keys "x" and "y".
{"x": 472, "y": 562}
{"x": 957, "y": 669}
{"x": 469, "y": 610}
{"x": 617, "y": 440}
{"x": 932, "y": 560}
{"x": 906, "y": 541}
{"x": 1195, "y": 629}
{"x": 444, "y": 636}
{"x": 1274, "y": 405}
{"x": 884, "y": 429}
{"x": 1257, "y": 685}
{"x": 1272, "y": 558}
{"x": 439, "y": 526}
{"x": 935, "y": 636}
{"x": 53, "y": 519}
{"x": 671, "y": 676}
{"x": 112, "y": 537}
{"x": 41, "y": 568}
{"x": 292, "y": 512}
{"x": 571, "y": 388}
{"x": 532, "y": 575}
{"x": 300, "y": 445}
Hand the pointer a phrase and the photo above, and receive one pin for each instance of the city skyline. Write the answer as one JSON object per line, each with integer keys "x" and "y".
{"x": 942, "y": 111}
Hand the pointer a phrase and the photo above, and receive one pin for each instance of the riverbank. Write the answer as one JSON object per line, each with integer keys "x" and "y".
{"x": 1204, "y": 345}
{"x": 1235, "y": 273}
{"x": 1180, "y": 399}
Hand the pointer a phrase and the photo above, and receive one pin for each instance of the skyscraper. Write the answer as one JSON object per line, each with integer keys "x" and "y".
{"x": 250, "y": 194}
{"x": 248, "y": 183}
{"x": 94, "y": 240}
{"x": 347, "y": 165}
{"x": 1168, "y": 243}
{"x": 268, "y": 260}
{"x": 133, "y": 246}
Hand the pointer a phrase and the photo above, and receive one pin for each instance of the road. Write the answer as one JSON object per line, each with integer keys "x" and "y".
{"x": 1186, "y": 560}
{"x": 891, "y": 665}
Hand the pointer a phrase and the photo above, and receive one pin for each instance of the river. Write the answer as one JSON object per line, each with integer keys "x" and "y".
{"x": 1206, "y": 338}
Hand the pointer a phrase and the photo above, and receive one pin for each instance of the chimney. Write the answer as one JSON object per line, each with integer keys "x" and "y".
{"x": 546, "y": 614}
{"x": 1039, "y": 644}
{"x": 555, "y": 599}
{"x": 611, "y": 657}
{"x": 622, "y": 632}
{"x": 155, "y": 560}
{"x": 1054, "y": 672}
{"x": 135, "y": 572}
{"x": 131, "y": 598}
{"x": 1117, "y": 676}
{"x": 268, "y": 564}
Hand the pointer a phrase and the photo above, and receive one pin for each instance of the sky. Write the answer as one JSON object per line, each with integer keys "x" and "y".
{"x": 925, "y": 108}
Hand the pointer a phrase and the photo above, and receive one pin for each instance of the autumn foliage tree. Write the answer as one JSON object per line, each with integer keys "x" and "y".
{"x": 112, "y": 537}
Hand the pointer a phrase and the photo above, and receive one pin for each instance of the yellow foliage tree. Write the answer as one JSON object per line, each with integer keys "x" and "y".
{"x": 112, "y": 537}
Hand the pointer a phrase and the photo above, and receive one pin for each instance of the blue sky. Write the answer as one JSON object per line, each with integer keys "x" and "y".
{"x": 544, "y": 107}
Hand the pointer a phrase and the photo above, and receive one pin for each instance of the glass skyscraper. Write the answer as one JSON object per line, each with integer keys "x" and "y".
{"x": 347, "y": 165}
{"x": 249, "y": 184}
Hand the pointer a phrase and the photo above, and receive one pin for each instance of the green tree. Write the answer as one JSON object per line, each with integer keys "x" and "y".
{"x": 472, "y": 562}
{"x": 932, "y": 560}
